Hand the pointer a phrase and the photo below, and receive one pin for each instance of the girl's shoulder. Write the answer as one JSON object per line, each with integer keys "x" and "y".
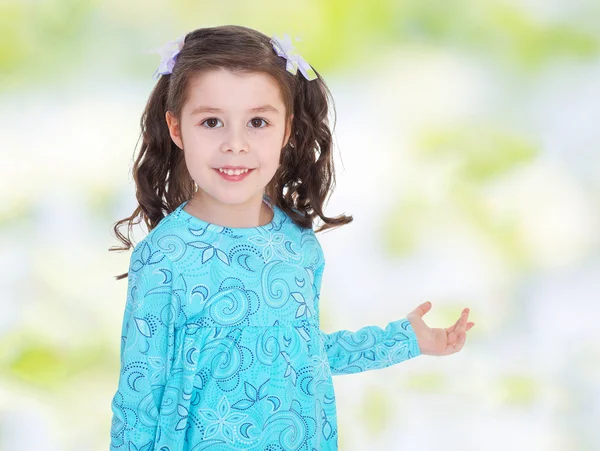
{"x": 153, "y": 247}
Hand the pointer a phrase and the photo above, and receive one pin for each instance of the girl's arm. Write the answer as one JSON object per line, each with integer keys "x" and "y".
{"x": 146, "y": 348}
{"x": 370, "y": 347}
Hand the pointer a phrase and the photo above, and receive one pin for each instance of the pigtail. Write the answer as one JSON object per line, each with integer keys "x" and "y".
{"x": 307, "y": 166}
{"x": 159, "y": 170}
{"x": 161, "y": 178}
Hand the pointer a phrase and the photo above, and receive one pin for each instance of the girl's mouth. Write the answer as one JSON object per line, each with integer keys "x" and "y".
{"x": 234, "y": 178}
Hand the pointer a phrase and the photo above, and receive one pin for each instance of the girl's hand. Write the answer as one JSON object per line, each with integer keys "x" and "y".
{"x": 439, "y": 341}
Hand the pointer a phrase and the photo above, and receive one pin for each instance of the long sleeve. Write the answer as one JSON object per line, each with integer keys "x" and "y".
{"x": 146, "y": 349}
{"x": 370, "y": 347}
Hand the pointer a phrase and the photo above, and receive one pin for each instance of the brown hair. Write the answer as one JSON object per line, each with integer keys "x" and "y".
{"x": 305, "y": 177}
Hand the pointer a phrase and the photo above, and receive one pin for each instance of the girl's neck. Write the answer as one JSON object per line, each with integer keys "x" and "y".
{"x": 254, "y": 213}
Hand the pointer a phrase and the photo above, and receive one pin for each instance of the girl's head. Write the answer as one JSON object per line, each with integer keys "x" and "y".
{"x": 234, "y": 69}
{"x": 231, "y": 119}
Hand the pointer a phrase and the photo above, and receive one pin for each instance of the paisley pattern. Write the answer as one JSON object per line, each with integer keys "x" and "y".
{"x": 221, "y": 347}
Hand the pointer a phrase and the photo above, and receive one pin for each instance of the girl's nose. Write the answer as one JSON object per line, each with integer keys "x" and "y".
{"x": 235, "y": 140}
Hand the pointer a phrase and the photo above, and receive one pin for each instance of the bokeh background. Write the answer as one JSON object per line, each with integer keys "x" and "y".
{"x": 467, "y": 151}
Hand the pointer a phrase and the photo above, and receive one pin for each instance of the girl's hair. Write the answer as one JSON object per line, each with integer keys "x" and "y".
{"x": 305, "y": 177}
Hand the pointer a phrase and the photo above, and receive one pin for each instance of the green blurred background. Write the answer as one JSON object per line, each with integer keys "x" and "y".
{"x": 467, "y": 152}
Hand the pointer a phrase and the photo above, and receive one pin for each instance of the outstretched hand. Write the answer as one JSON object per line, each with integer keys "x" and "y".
{"x": 434, "y": 341}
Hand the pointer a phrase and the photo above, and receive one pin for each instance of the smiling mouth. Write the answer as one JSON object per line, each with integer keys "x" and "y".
{"x": 233, "y": 177}
{"x": 234, "y": 171}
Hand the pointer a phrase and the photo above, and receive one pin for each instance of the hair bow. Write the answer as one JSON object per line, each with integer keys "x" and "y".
{"x": 167, "y": 53}
{"x": 284, "y": 48}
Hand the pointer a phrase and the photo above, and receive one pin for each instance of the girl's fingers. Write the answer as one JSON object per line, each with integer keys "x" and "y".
{"x": 452, "y": 338}
{"x": 460, "y": 322}
{"x": 465, "y": 316}
{"x": 453, "y": 327}
{"x": 458, "y": 330}
{"x": 461, "y": 342}
{"x": 457, "y": 334}
{"x": 453, "y": 343}
{"x": 457, "y": 323}
{"x": 421, "y": 309}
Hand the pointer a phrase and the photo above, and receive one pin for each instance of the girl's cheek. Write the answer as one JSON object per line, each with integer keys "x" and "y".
{"x": 266, "y": 135}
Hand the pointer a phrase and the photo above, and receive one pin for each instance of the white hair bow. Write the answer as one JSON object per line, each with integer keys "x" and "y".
{"x": 284, "y": 48}
{"x": 167, "y": 53}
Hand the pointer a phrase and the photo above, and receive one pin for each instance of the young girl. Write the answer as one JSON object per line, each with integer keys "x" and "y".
{"x": 221, "y": 347}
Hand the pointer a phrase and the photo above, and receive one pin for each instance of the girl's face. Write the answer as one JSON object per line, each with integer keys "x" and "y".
{"x": 231, "y": 120}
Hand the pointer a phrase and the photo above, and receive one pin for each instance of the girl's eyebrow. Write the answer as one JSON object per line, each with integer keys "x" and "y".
{"x": 259, "y": 109}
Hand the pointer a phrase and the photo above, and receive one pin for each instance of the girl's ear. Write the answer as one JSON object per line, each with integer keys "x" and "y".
{"x": 174, "y": 129}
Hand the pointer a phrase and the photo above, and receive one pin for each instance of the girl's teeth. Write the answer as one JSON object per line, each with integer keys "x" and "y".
{"x": 233, "y": 172}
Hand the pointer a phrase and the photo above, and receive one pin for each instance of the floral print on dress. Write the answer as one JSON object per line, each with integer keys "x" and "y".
{"x": 221, "y": 346}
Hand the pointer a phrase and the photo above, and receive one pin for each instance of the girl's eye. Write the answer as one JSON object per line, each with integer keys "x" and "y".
{"x": 259, "y": 119}
{"x": 211, "y": 122}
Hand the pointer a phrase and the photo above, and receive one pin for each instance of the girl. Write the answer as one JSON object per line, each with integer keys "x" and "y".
{"x": 221, "y": 347}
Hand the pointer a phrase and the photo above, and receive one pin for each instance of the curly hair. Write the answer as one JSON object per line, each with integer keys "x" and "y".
{"x": 305, "y": 177}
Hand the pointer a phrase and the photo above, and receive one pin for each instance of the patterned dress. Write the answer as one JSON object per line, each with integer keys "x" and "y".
{"x": 221, "y": 348}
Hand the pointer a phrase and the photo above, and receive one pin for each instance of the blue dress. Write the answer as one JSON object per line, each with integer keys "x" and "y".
{"x": 221, "y": 348}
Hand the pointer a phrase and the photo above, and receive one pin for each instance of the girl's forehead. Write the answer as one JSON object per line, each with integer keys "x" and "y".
{"x": 223, "y": 79}
{"x": 224, "y": 89}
